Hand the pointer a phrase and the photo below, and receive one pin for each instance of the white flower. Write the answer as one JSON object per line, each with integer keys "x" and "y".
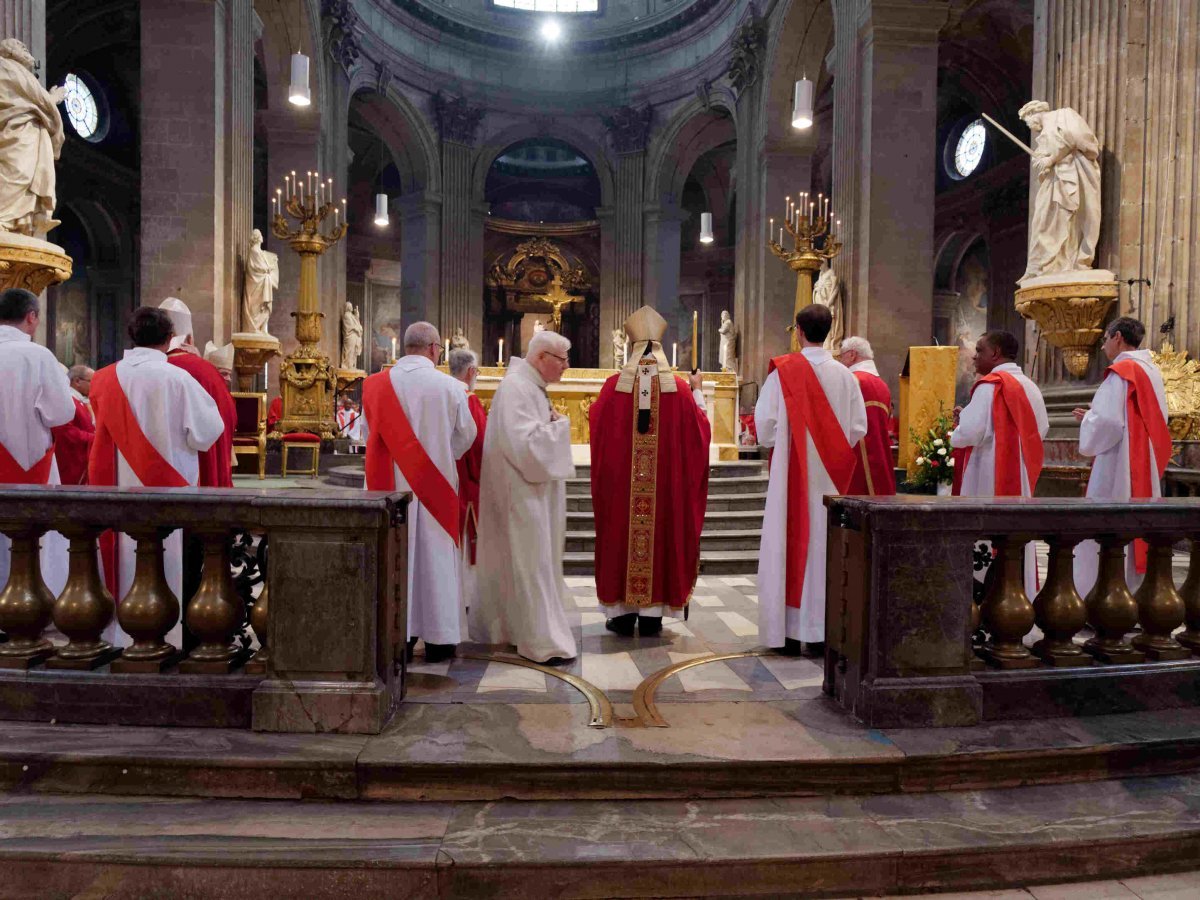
{"x": 921, "y": 460}
{"x": 942, "y": 451}
{"x": 951, "y": 463}
{"x": 938, "y": 442}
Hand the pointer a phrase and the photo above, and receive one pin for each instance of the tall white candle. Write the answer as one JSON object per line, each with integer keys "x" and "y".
{"x": 780, "y": 235}
{"x": 447, "y": 350}
{"x": 393, "y": 349}
{"x": 675, "y": 356}
{"x": 500, "y": 354}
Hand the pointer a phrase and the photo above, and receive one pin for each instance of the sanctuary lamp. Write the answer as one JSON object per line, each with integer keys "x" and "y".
{"x": 815, "y": 234}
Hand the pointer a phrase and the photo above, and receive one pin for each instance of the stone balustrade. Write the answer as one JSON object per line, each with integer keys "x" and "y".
{"x": 336, "y": 614}
{"x": 907, "y": 643}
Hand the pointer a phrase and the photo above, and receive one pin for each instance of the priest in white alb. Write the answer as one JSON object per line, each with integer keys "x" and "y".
{"x": 523, "y": 510}
{"x": 1126, "y": 431}
{"x": 35, "y": 399}
{"x": 811, "y": 413}
{"x": 418, "y": 424}
{"x": 153, "y": 420}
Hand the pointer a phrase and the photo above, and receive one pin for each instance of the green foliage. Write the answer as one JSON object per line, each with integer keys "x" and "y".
{"x": 934, "y": 464}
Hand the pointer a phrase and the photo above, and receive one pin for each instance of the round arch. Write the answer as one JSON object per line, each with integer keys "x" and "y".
{"x": 409, "y": 140}
{"x": 792, "y": 53}
{"x": 693, "y": 131}
{"x": 501, "y": 141}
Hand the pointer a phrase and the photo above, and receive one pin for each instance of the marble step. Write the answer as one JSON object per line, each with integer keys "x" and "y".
{"x": 732, "y": 539}
{"x": 717, "y": 487}
{"x": 724, "y": 478}
{"x": 756, "y": 502}
{"x": 712, "y": 562}
{"x": 714, "y": 521}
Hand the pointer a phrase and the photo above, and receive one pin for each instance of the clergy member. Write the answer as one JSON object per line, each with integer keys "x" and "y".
{"x": 80, "y": 378}
{"x": 648, "y": 517}
{"x": 35, "y": 400}
{"x": 1001, "y": 431}
{"x": 216, "y": 463}
{"x": 418, "y": 425}
{"x": 152, "y": 422}
{"x": 349, "y": 421}
{"x": 464, "y": 365}
{"x": 1126, "y": 431}
{"x": 811, "y": 412}
{"x": 73, "y": 441}
{"x": 874, "y": 471}
{"x": 523, "y": 510}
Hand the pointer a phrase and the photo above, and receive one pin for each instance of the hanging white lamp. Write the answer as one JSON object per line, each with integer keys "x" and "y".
{"x": 706, "y": 235}
{"x": 381, "y": 210}
{"x": 802, "y": 104}
{"x": 298, "y": 94}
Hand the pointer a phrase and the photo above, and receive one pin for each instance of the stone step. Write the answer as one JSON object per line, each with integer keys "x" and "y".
{"x": 723, "y": 478}
{"x": 740, "y": 539}
{"x": 712, "y": 562}
{"x": 714, "y": 521}
{"x": 717, "y": 487}
{"x": 716, "y": 503}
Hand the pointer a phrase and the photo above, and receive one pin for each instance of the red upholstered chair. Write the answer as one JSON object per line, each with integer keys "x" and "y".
{"x": 302, "y": 440}
{"x": 250, "y": 431}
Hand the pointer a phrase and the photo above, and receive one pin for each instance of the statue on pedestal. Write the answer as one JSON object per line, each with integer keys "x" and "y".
{"x": 1064, "y": 220}
{"x": 538, "y": 326}
{"x": 828, "y": 292}
{"x": 728, "y": 353}
{"x": 352, "y": 337}
{"x": 458, "y": 341}
{"x": 33, "y": 136}
{"x": 262, "y": 278}
{"x": 618, "y": 345}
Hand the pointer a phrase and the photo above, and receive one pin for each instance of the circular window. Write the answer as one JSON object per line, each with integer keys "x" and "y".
{"x": 968, "y": 152}
{"x": 83, "y": 111}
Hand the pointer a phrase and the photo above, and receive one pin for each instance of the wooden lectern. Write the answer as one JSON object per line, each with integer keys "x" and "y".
{"x": 926, "y": 390}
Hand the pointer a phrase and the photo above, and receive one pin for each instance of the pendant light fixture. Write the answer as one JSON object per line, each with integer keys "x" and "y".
{"x": 802, "y": 104}
{"x": 706, "y": 234}
{"x": 381, "y": 210}
{"x": 298, "y": 93}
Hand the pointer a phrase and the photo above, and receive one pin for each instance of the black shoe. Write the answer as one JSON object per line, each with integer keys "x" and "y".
{"x": 649, "y": 626}
{"x": 622, "y": 625}
{"x": 558, "y": 661}
{"x": 790, "y": 648}
{"x": 436, "y": 653}
{"x": 815, "y": 648}
{"x": 409, "y": 648}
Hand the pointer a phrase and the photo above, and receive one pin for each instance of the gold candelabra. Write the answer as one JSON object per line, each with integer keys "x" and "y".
{"x": 814, "y": 234}
{"x": 307, "y": 380}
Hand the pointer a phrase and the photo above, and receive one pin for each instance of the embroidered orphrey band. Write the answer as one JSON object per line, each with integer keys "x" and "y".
{"x": 639, "y": 572}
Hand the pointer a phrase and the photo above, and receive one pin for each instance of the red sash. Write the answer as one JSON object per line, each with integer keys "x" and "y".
{"x": 117, "y": 429}
{"x": 11, "y": 471}
{"x": 1147, "y": 427}
{"x": 391, "y": 439}
{"x": 1013, "y": 419}
{"x": 809, "y": 414}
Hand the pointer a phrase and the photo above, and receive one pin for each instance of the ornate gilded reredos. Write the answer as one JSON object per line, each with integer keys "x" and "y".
{"x": 1181, "y": 379}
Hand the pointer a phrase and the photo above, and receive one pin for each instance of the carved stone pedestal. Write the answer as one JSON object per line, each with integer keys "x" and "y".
{"x": 1070, "y": 308}
{"x": 251, "y": 351}
{"x": 32, "y": 264}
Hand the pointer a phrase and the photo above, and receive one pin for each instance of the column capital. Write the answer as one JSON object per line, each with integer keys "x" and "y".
{"x": 419, "y": 203}
{"x": 458, "y": 121}
{"x": 903, "y": 22}
{"x": 629, "y": 129}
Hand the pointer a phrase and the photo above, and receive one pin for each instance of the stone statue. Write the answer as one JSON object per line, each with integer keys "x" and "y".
{"x": 262, "y": 278}
{"x": 352, "y": 337}
{"x": 538, "y": 326}
{"x": 618, "y": 345}
{"x": 1064, "y": 220}
{"x": 728, "y": 332}
{"x": 458, "y": 341}
{"x": 828, "y": 292}
{"x": 33, "y": 136}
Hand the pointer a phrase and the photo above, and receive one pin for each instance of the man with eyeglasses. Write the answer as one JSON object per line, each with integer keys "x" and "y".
{"x": 418, "y": 424}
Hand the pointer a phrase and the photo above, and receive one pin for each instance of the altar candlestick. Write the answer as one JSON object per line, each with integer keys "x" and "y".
{"x": 393, "y": 349}
{"x": 781, "y": 235}
{"x": 695, "y": 333}
{"x": 447, "y": 351}
{"x": 500, "y": 355}
{"x": 675, "y": 356}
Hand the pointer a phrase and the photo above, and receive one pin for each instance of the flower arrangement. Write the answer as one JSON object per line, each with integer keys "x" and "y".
{"x": 934, "y": 462}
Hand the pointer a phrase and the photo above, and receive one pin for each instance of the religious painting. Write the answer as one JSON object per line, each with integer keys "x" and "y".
{"x": 969, "y": 319}
{"x": 382, "y": 314}
{"x": 72, "y": 324}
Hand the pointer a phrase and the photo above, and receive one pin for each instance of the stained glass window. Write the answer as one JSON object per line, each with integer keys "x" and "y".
{"x": 969, "y": 151}
{"x": 82, "y": 111}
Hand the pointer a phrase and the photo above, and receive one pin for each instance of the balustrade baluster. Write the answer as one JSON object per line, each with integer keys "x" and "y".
{"x": 1160, "y": 608}
{"x": 1059, "y": 610}
{"x": 25, "y": 602}
{"x": 149, "y": 609}
{"x": 1007, "y": 613}
{"x": 258, "y": 620}
{"x": 1190, "y": 592}
{"x": 84, "y": 608}
{"x": 215, "y": 613}
{"x": 1112, "y": 611}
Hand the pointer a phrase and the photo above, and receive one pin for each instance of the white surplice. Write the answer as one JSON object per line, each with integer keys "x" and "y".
{"x": 35, "y": 398}
{"x": 436, "y": 407}
{"x": 777, "y": 620}
{"x": 976, "y": 430}
{"x": 522, "y": 521}
{"x": 350, "y": 424}
{"x": 180, "y": 420}
{"x": 1103, "y": 433}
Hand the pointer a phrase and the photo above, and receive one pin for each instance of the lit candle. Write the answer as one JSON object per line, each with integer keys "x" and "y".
{"x": 695, "y": 336}
{"x": 780, "y": 235}
{"x": 310, "y": 183}
{"x": 287, "y": 181}
{"x": 675, "y": 356}
{"x": 500, "y": 354}
{"x": 770, "y": 227}
{"x": 447, "y": 349}
{"x": 838, "y": 229}
{"x": 393, "y": 349}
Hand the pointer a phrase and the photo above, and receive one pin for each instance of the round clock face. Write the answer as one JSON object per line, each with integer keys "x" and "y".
{"x": 969, "y": 151}
{"x": 82, "y": 111}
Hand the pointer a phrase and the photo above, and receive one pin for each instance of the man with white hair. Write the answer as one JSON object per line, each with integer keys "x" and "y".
{"x": 73, "y": 441}
{"x": 523, "y": 510}
{"x": 464, "y": 366}
{"x": 874, "y": 472}
{"x": 418, "y": 424}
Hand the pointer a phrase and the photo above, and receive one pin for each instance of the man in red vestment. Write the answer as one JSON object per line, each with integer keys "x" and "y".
{"x": 874, "y": 473}
{"x": 464, "y": 365}
{"x": 648, "y": 516}
{"x": 73, "y": 443}
{"x": 216, "y": 463}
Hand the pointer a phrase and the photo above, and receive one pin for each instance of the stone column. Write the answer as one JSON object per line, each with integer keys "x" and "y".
{"x": 621, "y": 278}
{"x": 25, "y": 20}
{"x": 458, "y": 123}
{"x": 660, "y": 275}
{"x": 420, "y": 230}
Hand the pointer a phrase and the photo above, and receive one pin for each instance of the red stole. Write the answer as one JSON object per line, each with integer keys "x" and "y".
{"x": 11, "y": 471}
{"x": 1147, "y": 427}
{"x": 117, "y": 429}
{"x": 1012, "y": 418}
{"x": 470, "y": 466}
{"x": 809, "y": 414}
{"x": 392, "y": 439}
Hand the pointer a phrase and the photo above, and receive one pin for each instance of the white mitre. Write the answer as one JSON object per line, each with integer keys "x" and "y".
{"x": 646, "y": 328}
{"x": 181, "y": 318}
{"x": 221, "y": 357}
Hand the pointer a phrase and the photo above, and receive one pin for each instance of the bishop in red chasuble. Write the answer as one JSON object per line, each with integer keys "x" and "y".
{"x": 874, "y": 471}
{"x": 649, "y": 437}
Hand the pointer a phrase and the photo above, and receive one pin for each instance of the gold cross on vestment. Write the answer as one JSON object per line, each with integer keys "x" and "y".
{"x": 557, "y": 298}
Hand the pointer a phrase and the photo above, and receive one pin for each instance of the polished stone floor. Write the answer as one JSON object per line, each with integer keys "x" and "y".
{"x": 1178, "y": 886}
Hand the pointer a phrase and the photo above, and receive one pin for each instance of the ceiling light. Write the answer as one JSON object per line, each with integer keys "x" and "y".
{"x": 381, "y": 211}
{"x": 551, "y": 30}
{"x": 706, "y": 235}
{"x": 802, "y": 104}
{"x": 298, "y": 94}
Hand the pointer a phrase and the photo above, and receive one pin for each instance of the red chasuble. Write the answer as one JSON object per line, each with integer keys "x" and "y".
{"x": 873, "y": 470}
{"x": 1147, "y": 428}
{"x": 216, "y": 463}
{"x": 469, "y": 467}
{"x": 72, "y": 444}
{"x": 649, "y": 491}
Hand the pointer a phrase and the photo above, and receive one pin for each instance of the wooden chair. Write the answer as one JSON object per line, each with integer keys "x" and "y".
{"x": 250, "y": 431}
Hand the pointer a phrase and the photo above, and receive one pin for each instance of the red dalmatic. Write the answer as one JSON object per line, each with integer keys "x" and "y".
{"x": 72, "y": 444}
{"x": 469, "y": 467}
{"x": 216, "y": 463}
{"x": 874, "y": 473}
{"x": 649, "y": 491}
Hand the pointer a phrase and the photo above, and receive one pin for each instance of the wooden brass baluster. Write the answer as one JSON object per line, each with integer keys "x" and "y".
{"x": 1160, "y": 608}
{"x": 215, "y": 613}
{"x": 1112, "y": 611}
{"x": 149, "y": 610}
{"x": 1059, "y": 610}
{"x": 258, "y": 620}
{"x": 1190, "y": 592}
{"x": 84, "y": 608}
{"x": 1007, "y": 613}
{"x": 25, "y": 602}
